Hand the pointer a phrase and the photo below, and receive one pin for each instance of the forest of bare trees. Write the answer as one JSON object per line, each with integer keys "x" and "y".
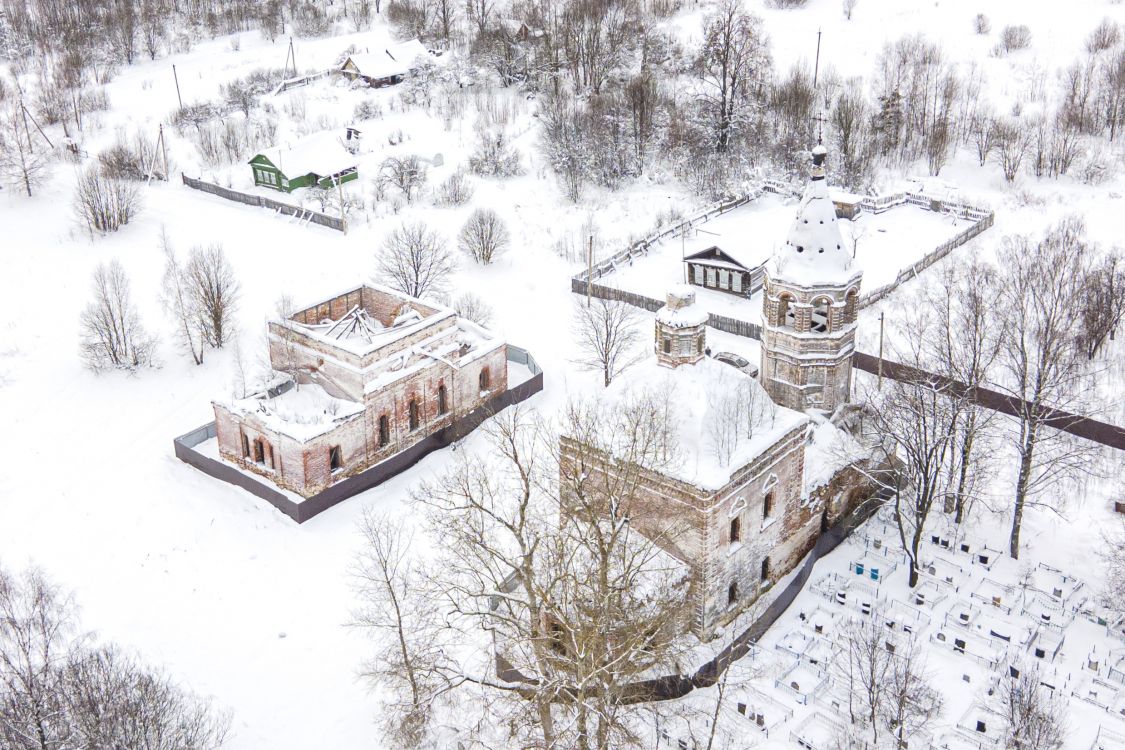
{"x": 60, "y": 688}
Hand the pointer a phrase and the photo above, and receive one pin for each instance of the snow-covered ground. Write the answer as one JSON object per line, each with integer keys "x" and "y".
{"x": 225, "y": 592}
{"x": 883, "y": 244}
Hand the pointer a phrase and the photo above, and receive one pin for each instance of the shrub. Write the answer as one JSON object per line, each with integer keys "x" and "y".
{"x": 484, "y": 236}
{"x": 367, "y": 110}
{"x": 1106, "y": 35}
{"x": 494, "y": 155}
{"x": 455, "y": 190}
{"x": 1014, "y": 38}
{"x": 309, "y": 21}
{"x": 981, "y": 24}
{"x": 104, "y": 203}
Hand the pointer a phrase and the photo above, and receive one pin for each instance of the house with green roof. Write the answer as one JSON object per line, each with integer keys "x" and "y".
{"x": 318, "y": 160}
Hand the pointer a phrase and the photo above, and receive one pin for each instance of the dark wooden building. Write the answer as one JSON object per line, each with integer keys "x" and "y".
{"x": 715, "y": 268}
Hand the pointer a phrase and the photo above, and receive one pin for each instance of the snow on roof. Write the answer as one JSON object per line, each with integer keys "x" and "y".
{"x": 681, "y": 310}
{"x": 694, "y": 394}
{"x": 396, "y": 60}
{"x": 829, "y": 451}
{"x": 302, "y": 412}
{"x": 814, "y": 251}
{"x": 457, "y": 346}
{"x": 320, "y": 153}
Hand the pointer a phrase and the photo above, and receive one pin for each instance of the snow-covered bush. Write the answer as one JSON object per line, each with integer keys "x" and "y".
{"x": 129, "y": 161}
{"x": 785, "y": 4}
{"x": 104, "y": 203}
{"x": 243, "y": 93}
{"x": 484, "y": 237}
{"x": 455, "y": 190}
{"x": 111, "y": 334}
{"x": 1106, "y": 35}
{"x": 367, "y": 110}
{"x": 1012, "y": 39}
{"x": 981, "y": 24}
{"x": 474, "y": 308}
{"x": 849, "y": 8}
{"x": 494, "y": 155}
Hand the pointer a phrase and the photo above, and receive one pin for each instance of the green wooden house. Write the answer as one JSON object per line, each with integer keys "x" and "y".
{"x": 318, "y": 160}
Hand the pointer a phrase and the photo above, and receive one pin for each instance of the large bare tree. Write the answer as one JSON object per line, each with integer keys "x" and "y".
{"x": 1043, "y": 363}
{"x": 414, "y": 260}
{"x": 607, "y": 332}
{"x": 734, "y": 65}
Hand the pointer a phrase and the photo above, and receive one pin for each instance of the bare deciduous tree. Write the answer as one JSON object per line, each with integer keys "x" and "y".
{"x": 59, "y": 691}
{"x": 1104, "y": 302}
{"x": 1011, "y": 138}
{"x": 1034, "y": 716}
{"x": 111, "y": 334}
{"x": 473, "y": 307}
{"x": 181, "y": 304}
{"x": 484, "y": 236}
{"x": 401, "y": 613}
{"x": 215, "y": 290}
{"x": 406, "y": 173}
{"x": 1042, "y": 358}
{"x": 105, "y": 204}
{"x": 414, "y": 260}
{"x": 607, "y": 333}
{"x": 23, "y": 161}
{"x": 734, "y": 63}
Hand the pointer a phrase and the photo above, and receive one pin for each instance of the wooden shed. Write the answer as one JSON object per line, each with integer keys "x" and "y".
{"x": 318, "y": 160}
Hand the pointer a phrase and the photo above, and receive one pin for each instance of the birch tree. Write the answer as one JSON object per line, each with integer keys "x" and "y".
{"x": 1042, "y": 360}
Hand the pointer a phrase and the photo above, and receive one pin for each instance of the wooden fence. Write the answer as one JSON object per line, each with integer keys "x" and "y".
{"x": 982, "y": 219}
{"x": 303, "y": 215}
{"x": 292, "y": 83}
{"x": 927, "y": 260}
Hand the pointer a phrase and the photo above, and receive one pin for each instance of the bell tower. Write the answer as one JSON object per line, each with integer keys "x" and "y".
{"x": 810, "y": 304}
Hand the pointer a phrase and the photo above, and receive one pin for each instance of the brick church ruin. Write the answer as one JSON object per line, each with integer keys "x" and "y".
{"x": 360, "y": 377}
{"x": 742, "y": 516}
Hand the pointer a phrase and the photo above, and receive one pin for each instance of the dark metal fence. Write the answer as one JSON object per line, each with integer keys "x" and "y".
{"x": 304, "y": 214}
{"x": 301, "y": 511}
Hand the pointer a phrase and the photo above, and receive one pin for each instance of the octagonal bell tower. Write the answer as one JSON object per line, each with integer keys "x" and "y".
{"x": 810, "y": 305}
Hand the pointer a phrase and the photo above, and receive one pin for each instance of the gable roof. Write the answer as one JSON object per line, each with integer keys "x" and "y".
{"x": 717, "y": 257}
{"x": 320, "y": 154}
{"x": 395, "y": 60}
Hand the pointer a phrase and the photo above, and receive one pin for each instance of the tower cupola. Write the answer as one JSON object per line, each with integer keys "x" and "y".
{"x": 681, "y": 327}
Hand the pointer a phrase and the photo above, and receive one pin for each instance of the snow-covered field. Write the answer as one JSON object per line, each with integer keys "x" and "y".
{"x": 231, "y": 597}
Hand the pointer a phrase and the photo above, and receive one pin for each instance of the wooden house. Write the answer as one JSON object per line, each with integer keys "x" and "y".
{"x": 715, "y": 268}
{"x": 318, "y": 160}
{"x": 847, "y": 204}
{"x": 385, "y": 66}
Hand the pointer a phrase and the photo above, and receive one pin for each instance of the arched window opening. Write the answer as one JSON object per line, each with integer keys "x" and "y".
{"x": 765, "y": 569}
{"x": 851, "y": 306}
{"x": 732, "y": 592}
{"x": 413, "y": 415}
{"x": 786, "y": 312}
{"x": 735, "y": 529}
{"x": 767, "y": 505}
{"x": 335, "y": 459}
{"x": 819, "y": 322}
{"x": 484, "y": 379}
{"x": 442, "y": 400}
{"x": 384, "y": 431}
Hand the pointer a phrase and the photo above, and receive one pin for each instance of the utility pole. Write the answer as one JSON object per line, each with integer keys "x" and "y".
{"x": 881, "y": 351}
{"x": 164, "y": 149}
{"x": 589, "y": 269}
{"x": 343, "y": 214}
{"x": 291, "y": 56}
{"x": 179, "y": 98}
{"x": 816, "y": 66}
